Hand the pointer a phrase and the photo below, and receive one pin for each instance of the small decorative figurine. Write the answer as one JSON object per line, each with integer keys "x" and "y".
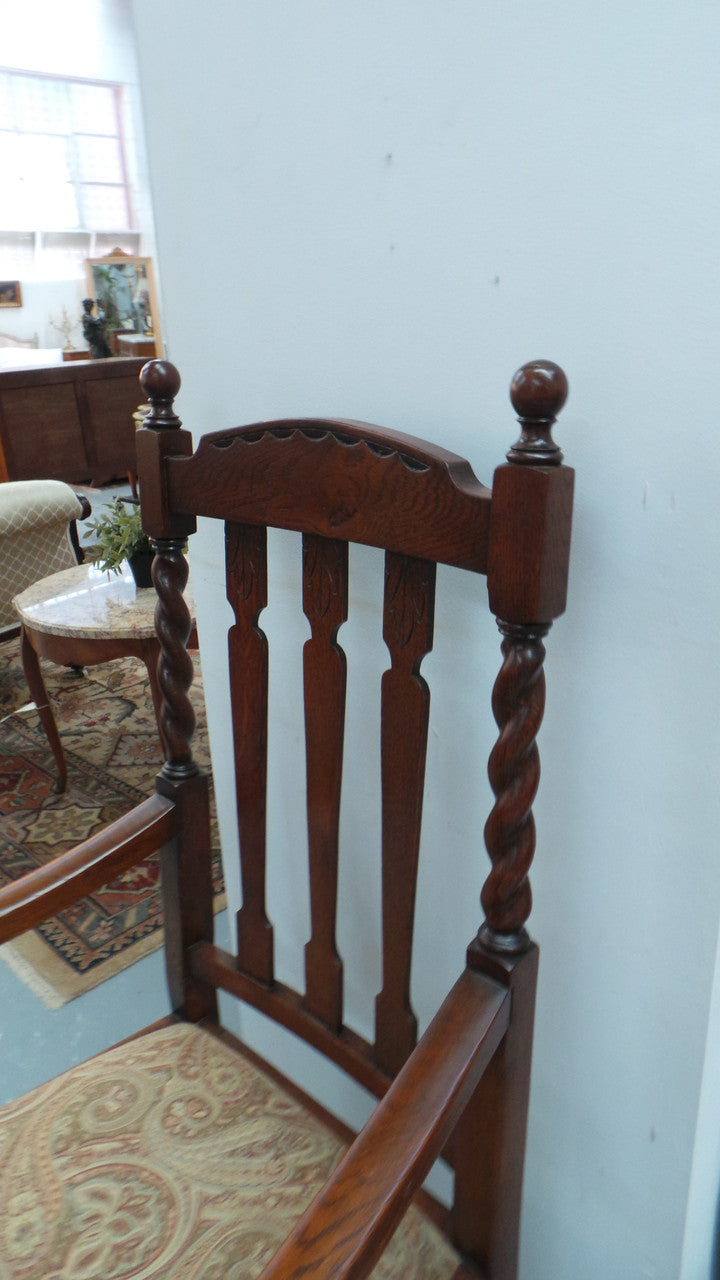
{"x": 65, "y": 326}
{"x": 94, "y": 332}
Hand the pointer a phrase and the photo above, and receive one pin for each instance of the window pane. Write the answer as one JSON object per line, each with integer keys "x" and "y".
{"x": 41, "y": 105}
{"x": 10, "y": 155}
{"x": 54, "y": 207}
{"x": 15, "y": 211}
{"x": 26, "y": 204}
{"x": 104, "y": 207}
{"x": 44, "y": 159}
{"x": 7, "y": 102}
{"x": 62, "y": 159}
{"x": 93, "y": 108}
{"x": 98, "y": 159}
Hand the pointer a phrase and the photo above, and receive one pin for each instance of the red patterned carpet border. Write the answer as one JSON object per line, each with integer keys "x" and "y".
{"x": 108, "y": 730}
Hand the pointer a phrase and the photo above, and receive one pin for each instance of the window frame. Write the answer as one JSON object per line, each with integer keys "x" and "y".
{"x": 90, "y": 241}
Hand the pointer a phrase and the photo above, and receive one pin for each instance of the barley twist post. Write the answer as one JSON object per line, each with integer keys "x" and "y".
{"x": 186, "y": 861}
{"x": 175, "y": 669}
{"x": 514, "y": 771}
{"x": 161, "y": 383}
{"x": 527, "y": 568}
{"x": 528, "y": 555}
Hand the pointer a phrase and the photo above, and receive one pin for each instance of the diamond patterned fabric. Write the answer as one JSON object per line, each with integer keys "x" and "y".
{"x": 170, "y": 1156}
{"x": 34, "y": 539}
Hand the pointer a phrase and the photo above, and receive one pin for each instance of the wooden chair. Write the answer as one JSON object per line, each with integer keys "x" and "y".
{"x": 462, "y": 1090}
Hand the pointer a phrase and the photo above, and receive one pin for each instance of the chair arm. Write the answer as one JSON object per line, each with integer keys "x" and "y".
{"x": 26, "y": 504}
{"x": 346, "y": 1228}
{"x": 41, "y": 893}
{"x": 85, "y": 513}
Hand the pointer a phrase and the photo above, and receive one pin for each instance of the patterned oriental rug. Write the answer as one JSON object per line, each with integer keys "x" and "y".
{"x": 107, "y": 726}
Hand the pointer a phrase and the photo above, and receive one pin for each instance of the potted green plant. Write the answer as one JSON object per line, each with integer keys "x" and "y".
{"x": 119, "y": 536}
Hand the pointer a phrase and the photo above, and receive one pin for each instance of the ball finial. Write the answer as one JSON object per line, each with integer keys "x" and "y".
{"x": 160, "y": 381}
{"x": 538, "y": 392}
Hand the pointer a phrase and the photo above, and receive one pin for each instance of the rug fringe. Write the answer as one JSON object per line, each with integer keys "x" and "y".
{"x": 32, "y": 979}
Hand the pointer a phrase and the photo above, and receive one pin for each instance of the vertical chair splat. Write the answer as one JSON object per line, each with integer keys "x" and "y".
{"x": 246, "y": 564}
{"x": 408, "y": 633}
{"x": 325, "y": 602}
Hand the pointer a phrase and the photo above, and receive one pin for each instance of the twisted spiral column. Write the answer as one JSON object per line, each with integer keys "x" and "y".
{"x": 175, "y": 668}
{"x": 514, "y": 770}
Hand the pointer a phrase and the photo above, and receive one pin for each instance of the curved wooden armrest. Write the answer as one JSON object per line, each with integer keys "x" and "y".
{"x": 346, "y": 1228}
{"x": 41, "y": 893}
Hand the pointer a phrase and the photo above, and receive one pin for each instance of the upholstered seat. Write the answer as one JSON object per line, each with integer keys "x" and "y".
{"x": 171, "y": 1156}
{"x": 35, "y": 519}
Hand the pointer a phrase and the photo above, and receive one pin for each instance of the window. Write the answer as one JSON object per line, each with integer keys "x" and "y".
{"x": 65, "y": 194}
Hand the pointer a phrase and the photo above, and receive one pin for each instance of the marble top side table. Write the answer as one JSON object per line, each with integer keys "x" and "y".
{"x": 81, "y": 617}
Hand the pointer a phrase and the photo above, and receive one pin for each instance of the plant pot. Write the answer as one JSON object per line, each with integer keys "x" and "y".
{"x": 140, "y": 567}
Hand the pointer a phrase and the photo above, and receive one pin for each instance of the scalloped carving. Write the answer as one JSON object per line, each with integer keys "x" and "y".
{"x": 313, "y": 433}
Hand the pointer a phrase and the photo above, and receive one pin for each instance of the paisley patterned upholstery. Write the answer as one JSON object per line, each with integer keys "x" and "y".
{"x": 168, "y": 1157}
{"x": 34, "y": 540}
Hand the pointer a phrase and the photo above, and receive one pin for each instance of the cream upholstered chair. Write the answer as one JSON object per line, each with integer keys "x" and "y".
{"x": 36, "y": 520}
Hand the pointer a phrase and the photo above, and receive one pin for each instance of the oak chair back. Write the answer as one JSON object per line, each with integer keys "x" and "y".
{"x": 336, "y": 482}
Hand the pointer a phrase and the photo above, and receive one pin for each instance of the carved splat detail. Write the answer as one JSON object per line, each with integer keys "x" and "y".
{"x": 325, "y": 590}
{"x": 246, "y": 564}
{"x": 408, "y": 606}
{"x": 408, "y": 633}
{"x": 175, "y": 670}
{"x": 514, "y": 771}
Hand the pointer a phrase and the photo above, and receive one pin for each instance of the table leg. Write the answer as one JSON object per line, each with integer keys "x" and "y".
{"x": 38, "y": 692}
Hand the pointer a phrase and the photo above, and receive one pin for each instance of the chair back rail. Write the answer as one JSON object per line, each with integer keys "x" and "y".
{"x": 340, "y": 480}
{"x": 335, "y": 482}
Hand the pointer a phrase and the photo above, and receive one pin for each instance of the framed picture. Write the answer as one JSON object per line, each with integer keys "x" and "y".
{"x": 10, "y": 293}
{"x": 123, "y": 288}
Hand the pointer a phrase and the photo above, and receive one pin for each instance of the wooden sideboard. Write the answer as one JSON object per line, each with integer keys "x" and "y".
{"x": 69, "y": 422}
{"x": 136, "y": 344}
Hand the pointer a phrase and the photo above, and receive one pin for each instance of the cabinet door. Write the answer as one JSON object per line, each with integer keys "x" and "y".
{"x": 111, "y": 404}
{"x": 41, "y": 433}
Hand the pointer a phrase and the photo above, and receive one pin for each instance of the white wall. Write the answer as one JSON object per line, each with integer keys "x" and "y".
{"x": 93, "y": 41}
{"x": 379, "y": 209}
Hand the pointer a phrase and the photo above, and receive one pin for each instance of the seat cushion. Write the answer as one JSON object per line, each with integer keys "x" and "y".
{"x": 170, "y": 1156}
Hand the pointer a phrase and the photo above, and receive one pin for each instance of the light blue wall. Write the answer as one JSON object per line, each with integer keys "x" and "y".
{"x": 380, "y": 209}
